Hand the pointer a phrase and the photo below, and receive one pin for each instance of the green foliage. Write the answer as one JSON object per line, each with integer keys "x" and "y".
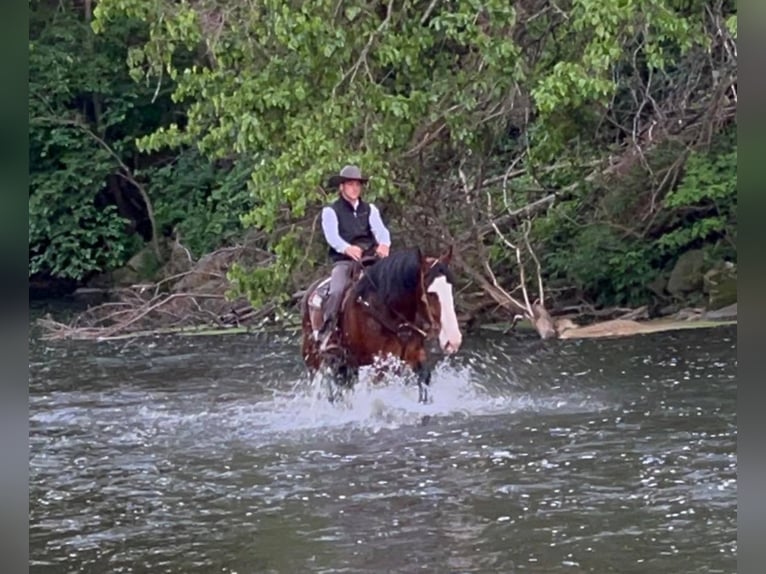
{"x": 82, "y": 240}
{"x": 601, "y": 37}
{"x": 200, "y": 202}
{"x": 71, "y": 234}
{"x": 608, "y": 265}
{"x": 594, "y": 259}
{"x": 674, "y": 241}
{"x": 303, "y": 90}
{"x": 629, "y": 272}
{"x": 709, "y": 186}
{"x": 708, "y": 178}
{"x": 86, "y": 113}
{"x": 287, "y": 92}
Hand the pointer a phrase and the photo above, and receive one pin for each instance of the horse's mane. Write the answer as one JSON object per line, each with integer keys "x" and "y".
{"x": 393, "y": 277}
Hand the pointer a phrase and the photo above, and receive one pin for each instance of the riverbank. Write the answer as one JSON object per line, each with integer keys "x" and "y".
{"x": 623, "y": 327}
{"x": 63, "y": 320}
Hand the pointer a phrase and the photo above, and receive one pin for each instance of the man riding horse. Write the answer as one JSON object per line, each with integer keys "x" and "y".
{"x": 353, "y": 230}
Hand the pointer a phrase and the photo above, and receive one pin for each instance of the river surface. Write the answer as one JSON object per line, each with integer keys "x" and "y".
{"x": 214, "y": 454}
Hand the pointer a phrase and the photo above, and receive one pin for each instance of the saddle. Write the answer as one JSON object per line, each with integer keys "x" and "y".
{"x": 317, "y": 293}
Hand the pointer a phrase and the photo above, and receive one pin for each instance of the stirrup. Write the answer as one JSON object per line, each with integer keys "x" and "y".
{"x": 328, "y": 338}
{"x": 327, "y": 343}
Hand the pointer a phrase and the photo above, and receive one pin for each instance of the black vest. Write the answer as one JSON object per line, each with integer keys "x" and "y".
{"x": 353, "y": 227}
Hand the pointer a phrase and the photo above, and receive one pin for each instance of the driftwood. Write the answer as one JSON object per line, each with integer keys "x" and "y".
{"x": 193, "y": 299}
{"x": 567, "y": 329}
{"x": 134, "y": 314}
{"x": 166, "y": 313}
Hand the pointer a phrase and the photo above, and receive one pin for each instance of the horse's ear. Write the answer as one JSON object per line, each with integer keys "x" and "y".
{"x": 447, "y": 257}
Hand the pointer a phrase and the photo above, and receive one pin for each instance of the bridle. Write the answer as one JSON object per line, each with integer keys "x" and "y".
{"x": 428, "y": 329}
{"x": 431, "y": 322}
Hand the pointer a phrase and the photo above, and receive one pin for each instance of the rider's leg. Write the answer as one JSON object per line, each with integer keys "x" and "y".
{"x": 341, "y": 273}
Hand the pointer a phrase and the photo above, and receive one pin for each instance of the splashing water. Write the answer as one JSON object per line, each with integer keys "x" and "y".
{"x": 195, "y": 456}
{"x": 456, "y": 392}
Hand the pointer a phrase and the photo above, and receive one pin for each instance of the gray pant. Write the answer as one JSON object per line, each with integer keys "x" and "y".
{"x": 339, "y": 278}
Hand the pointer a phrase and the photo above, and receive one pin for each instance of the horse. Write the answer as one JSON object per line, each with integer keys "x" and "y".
{"x": 394, "y": 306}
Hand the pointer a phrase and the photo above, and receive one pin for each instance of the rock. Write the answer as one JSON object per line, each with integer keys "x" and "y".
{"x": 143, "y": 261}
{"x": 91, "y": 295}
{"x": 723, "y": 314}
{"x": 143, "y": 266}
{"x": 688, "y": 314}
{"x": 687, "y": 276}
{"x": 658, "y": 286}
{"x": 209, "y": 272}
{"x": 124, "y": 277}
{"x": 720, "y": 284}
{"x": 178, "y": 260}
{"x": 669, "y": 310}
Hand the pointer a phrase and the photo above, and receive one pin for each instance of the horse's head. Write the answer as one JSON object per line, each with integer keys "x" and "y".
{"x": 437, "y": 302}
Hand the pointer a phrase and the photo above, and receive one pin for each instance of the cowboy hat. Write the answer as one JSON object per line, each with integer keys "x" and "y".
{"x": 348, "y": 173}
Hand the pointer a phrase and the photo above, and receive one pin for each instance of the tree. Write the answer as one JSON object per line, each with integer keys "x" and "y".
{"x": 529, "y": 100}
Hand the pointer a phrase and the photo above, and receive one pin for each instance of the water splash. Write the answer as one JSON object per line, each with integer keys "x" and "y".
{"x": 456, "y": 392}
{"x": 218, "y": 459}
{"x": 280, "y": 405}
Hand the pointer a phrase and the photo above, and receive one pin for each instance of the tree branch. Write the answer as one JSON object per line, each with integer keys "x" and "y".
{"x": 363, "y": 55}
{"x": 127, "y": 173}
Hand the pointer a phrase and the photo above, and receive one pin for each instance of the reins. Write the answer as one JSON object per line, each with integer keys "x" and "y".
{"x": 396, "y": 329}
{"x": 405, "y": 323}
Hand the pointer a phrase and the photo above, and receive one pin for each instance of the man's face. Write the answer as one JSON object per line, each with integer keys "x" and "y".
{"x": 351, "y": 190}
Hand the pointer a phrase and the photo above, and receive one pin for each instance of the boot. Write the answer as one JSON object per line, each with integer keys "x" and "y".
{"x": 325, "y": 335}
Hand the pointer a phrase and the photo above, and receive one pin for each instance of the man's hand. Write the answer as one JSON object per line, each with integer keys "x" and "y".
{"x": 382, "y": 251}
{"x": 354, "y": 251}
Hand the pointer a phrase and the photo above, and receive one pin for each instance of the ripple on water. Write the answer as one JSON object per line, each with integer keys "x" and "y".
{"x": 576, "y": 456}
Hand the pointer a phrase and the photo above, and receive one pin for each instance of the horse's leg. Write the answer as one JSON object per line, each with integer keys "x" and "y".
{"x": 334, "y": 390}
{"x": 423, "y": 373}
{"x": 350, "y": 376}
{"x": 326, "y": 374}
{"x": 333, "y": 376}
{"x": 340, "y": 376}
{"x": 416, "y": 358}
{"x": 344, "y": 376}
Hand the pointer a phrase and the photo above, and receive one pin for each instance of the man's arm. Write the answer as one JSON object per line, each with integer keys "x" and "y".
{"x": 379, "y": 229}
{"x": 330, "y": 230}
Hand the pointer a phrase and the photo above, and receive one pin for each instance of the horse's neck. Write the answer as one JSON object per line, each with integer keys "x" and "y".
{"x": 405, "y": 306}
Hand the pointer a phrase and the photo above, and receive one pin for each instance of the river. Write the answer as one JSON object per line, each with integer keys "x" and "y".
{"x": 214, "y": 454}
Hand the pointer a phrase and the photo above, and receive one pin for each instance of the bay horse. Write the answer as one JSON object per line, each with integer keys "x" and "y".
{"x": 394, "y": 306}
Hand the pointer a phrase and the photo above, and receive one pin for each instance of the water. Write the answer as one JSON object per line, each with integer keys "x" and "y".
{"x": 213, "y": 454}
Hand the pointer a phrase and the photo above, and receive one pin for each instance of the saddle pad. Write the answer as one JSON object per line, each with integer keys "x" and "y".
{"x": 320, "y": 293}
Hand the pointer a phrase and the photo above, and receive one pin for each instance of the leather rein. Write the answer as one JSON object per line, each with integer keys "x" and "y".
{"x": 405, "y": 324}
